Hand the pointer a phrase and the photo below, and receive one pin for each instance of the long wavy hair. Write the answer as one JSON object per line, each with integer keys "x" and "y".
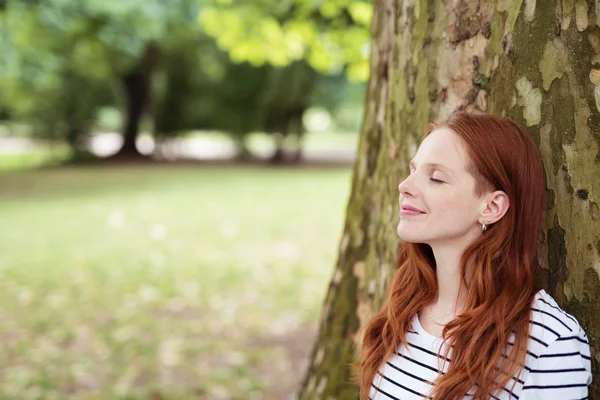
{"x": 500, "y": 266}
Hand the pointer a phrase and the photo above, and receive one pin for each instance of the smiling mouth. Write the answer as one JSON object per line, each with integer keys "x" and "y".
{"x": 410, "y": 208}
{"x": 409, "y": 211}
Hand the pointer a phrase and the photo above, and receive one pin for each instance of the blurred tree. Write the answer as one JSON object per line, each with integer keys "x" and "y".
{"x": 203, "y": 89}
{"x": 208, "y": 91}
{"x": 286, "y": 97}
{"x": 263, "y": 93}
{"x": 343, "y": 99}
{"x": 199, "y": 88}
{"x": 331, "y": 36}
{"x": 100, "y": 52}
{"x": 88, "y": 50}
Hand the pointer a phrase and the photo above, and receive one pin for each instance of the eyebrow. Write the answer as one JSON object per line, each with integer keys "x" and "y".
{"x": 431, "y": 165}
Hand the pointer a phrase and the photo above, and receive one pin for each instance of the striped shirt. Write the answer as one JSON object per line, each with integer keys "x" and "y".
{"x": 557, "y": 365}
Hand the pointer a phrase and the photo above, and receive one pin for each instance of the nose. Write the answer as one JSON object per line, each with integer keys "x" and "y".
{"x": 407, "y": 187}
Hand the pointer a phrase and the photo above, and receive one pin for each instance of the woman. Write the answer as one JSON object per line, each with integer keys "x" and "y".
{"x": 463, "y": 318}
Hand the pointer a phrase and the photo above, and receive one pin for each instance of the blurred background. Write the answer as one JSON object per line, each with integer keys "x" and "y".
{"x": 173, "y": 184}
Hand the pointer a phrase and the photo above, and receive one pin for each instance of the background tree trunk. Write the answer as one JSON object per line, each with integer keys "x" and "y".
{"x": 537, "y": 62}
{"x": 137, "y": 86}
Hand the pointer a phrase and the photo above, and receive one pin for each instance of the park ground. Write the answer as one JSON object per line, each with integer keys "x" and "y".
{"x": 163, "y": 281}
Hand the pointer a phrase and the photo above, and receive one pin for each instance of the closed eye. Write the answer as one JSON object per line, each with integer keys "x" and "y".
{"x": 436, "y": 180}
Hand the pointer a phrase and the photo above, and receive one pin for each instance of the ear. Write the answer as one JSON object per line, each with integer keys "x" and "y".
{"x": 495, "y": 206}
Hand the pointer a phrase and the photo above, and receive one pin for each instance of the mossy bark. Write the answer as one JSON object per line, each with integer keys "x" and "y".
{"x": 537, "y": 62}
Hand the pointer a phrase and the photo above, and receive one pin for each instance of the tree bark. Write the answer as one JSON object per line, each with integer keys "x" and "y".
{"x": 137, "y": 85}
{"x": 536, "y": 62}
{"x": 278, "y": 155}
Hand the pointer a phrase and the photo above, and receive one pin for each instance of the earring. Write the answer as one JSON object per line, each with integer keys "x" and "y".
{"x": 484, "y": 226}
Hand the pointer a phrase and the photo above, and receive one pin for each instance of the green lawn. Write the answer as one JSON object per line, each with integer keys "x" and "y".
{"x": 34, "y": 159}
{"x": 163, "y": 282}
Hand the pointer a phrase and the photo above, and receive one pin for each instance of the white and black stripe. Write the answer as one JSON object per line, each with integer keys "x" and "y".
{"x": 557, "y": 366}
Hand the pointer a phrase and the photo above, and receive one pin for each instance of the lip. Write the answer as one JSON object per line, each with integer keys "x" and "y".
{"x": 410, "y": 208}
{"x": 407, "y": 210}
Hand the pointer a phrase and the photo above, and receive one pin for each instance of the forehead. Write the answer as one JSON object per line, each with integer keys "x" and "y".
{"x": 445, "y": 147}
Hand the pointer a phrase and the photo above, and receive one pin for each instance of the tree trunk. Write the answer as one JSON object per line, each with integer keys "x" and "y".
{"x": 137, "y": 85}
{"x": 242, "y": 151}
{"x": 278, "y": 155}
{"x": 537, "y": 63}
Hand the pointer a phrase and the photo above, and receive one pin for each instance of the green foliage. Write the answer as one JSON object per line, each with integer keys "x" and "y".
{"x": 59, "y": 78}
{"x": 57, "y": 81}
{"x": 200, "y": 88}
{"x": 342, "y": 99}
{"x": 331, "y": 35}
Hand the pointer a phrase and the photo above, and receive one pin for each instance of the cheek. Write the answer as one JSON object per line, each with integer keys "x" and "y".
{"x": 453, "y": 204}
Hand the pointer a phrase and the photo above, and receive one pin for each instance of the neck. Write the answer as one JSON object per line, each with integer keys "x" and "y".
{"x": 451, "y": 294}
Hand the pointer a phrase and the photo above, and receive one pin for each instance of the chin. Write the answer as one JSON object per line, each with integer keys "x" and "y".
{"x": 408, "y": 235}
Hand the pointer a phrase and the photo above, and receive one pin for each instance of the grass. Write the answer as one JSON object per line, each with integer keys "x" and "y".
{"x": 162, "y": 282}
{"x": 32, "y": 159}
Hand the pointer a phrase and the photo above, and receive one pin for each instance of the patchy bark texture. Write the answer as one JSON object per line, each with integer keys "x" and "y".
{"x": 537, "y": 62}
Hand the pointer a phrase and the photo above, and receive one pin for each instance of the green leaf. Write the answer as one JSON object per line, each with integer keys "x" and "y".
{"x": 361, "y": 12}
{"x": 358, "y": 72}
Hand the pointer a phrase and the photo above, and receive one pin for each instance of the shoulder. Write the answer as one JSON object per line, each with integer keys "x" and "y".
{"x": 560, "y": 366}
{"x": 553, "y": 331}
{"x": 547, "y": 315}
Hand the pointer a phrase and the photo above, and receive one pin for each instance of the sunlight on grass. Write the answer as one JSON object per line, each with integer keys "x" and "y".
{"x": 161, "y": 281}
{"x": 33, "y": 159}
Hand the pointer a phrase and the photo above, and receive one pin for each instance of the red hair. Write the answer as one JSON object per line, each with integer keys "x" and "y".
{"x": 500, "y": 265}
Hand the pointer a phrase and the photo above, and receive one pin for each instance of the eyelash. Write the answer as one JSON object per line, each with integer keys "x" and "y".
{"x": 436, "y": 180}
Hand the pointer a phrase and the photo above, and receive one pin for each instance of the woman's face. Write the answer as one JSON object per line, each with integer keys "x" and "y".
{"x": 443, "y": 191}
